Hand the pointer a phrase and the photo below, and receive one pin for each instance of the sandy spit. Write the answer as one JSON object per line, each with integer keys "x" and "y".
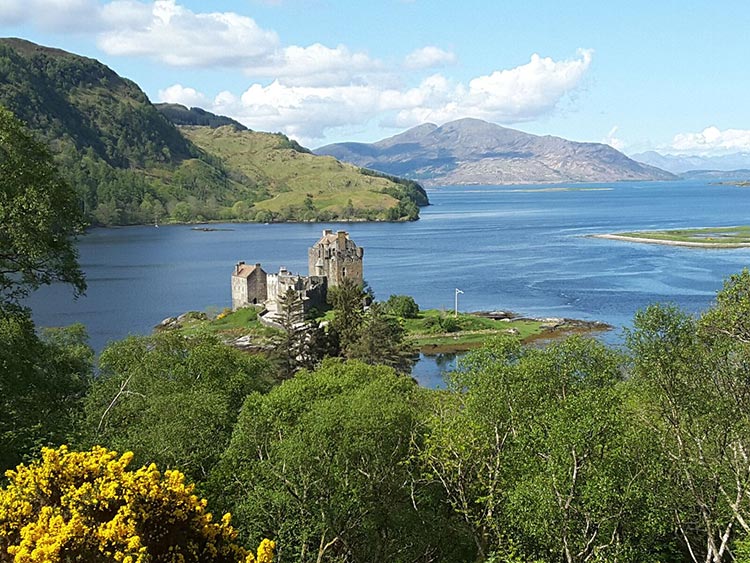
{"x": 674, "y": 242}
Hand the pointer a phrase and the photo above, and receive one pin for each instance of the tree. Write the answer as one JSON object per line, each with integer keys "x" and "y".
{"x": 303, "y": 343}
{"x": 320, "y": 464}
{"x": 171, "y": 399}
{"x": 381, "y": 342}
{"x": 730, "y": 317}
{"x": 39, "y": 217}
{"x": 43, "y": 382}
{"x": 89, "y": 506}
{"x": 535, "y": 455}
{"x": 402, "y": 306}
{"x": 695, "y": 393}
{"x": 348, "y": 302}
{"x": 586, "y": 478}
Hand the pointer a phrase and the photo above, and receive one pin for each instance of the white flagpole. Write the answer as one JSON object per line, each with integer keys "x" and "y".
{"x": 455, "y": 309}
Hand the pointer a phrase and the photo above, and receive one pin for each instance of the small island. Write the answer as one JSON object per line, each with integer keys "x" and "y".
{"x": 265, "y": 306}
{"x": 705, "y": 237}
{"x": 430, "y": 331}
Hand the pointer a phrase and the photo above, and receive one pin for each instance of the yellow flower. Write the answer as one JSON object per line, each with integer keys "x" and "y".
{"x": 101, "y": 508}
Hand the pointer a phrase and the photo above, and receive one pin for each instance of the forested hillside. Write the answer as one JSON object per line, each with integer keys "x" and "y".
{"x": 130, "y": 164}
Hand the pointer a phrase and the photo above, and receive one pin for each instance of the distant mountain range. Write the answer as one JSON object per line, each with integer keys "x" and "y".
{"x": 741, "y": 175}
{"x": 472, "y": 151}
{"x": 678, "y": 163}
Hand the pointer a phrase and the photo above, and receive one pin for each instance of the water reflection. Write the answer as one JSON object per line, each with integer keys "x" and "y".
{"x": 430, "y": 370}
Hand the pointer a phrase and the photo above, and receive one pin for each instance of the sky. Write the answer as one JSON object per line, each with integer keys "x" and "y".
{"x": 671, "y": 76}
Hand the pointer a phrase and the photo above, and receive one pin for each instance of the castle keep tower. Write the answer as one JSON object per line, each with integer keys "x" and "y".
{"x": 336, "y": 257}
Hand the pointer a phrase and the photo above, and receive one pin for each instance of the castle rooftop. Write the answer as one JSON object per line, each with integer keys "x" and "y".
{"x": 243, "y": 270}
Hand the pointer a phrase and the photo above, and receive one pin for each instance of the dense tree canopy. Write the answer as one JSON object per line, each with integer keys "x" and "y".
{"x": 170, "y": 399}
{"x": 319, "y": 463}
{"x": 39, "y": 216}
{"x": 43, "y": 383}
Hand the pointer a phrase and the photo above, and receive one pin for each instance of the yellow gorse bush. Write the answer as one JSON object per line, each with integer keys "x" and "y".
{"x": 88, "y": 506}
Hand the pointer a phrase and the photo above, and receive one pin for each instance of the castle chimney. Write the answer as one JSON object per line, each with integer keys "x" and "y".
{"x": 342, "y": 235}
{"x": 257, "y": 265}
{"x": 327, "y": 232}
{"x": 237, "y": 267}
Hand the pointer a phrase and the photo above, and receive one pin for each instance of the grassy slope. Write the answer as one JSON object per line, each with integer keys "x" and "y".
{"x": 289, "y": 175}
{"x": 229, "y": 325}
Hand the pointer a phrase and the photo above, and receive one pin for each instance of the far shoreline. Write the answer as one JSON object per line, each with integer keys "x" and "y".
{"x": 667, "y": 242}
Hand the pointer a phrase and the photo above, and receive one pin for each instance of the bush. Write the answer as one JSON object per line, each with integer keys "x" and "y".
{"x": 449, "y": 324}
{"x": 87, "y": 506}
{"x": 402, "y": 306}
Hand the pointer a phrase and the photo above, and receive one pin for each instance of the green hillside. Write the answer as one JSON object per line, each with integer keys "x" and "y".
{"x": 130, "y": 164}
{"x": 299, "y": 185}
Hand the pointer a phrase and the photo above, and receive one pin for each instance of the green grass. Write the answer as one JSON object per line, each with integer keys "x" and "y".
{"x": 471, "y": 331}
{"x": 228, "y": 324}
{"x": 720, "y": 236}
{"x": 289, "y": 176}
{"x": 434, "y": 331}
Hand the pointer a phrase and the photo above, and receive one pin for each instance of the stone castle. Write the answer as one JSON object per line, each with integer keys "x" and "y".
{"x": 334, "y": 258}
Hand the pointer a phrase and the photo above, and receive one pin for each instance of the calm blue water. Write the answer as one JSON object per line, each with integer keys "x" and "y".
{"x": 518, "y": 248}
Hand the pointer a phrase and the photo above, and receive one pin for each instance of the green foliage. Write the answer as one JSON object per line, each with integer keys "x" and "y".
{"x": 75, "y": 100}
{"x": 42, "y": 386}
{"x": 303, "y": 343}
{"x": 299, "y": 186}
{"x": 730, "y": 317}
{"x": 180, "y": 115}
{"x": 536, "y": 454}
{"x": 348, "y": 302}
{"x": 171, "y": 399}
{"x": 694, "y": 390}
{"x": 39, "y": 215}
{"x": 380, "y": 341}
{"x": 319, "y": 462}
{"x": 129, "y": 164}
{"x": 406, "y": 190}
{"x": 402, "y": 306}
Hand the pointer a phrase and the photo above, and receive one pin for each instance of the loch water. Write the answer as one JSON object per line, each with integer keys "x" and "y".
{"x": 514, "y": 248}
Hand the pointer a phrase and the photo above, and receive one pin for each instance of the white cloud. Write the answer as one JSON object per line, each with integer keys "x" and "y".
{"x": 612, "y": 140}
{"x": 318, "y": 65}
{"x": 307, "y": 112}
{"x": 428, "y": 57}
{"x": 162, "y": 30}
{"x": 189, "y": 97}
{"x": 177, "y": 36}
{"x": 518, "y": 94}
{"x": 52, "y": 15}
{"x": 712, "y": 141}
{"x": 124, "y": 14}
{"x": 305, "y": 91}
